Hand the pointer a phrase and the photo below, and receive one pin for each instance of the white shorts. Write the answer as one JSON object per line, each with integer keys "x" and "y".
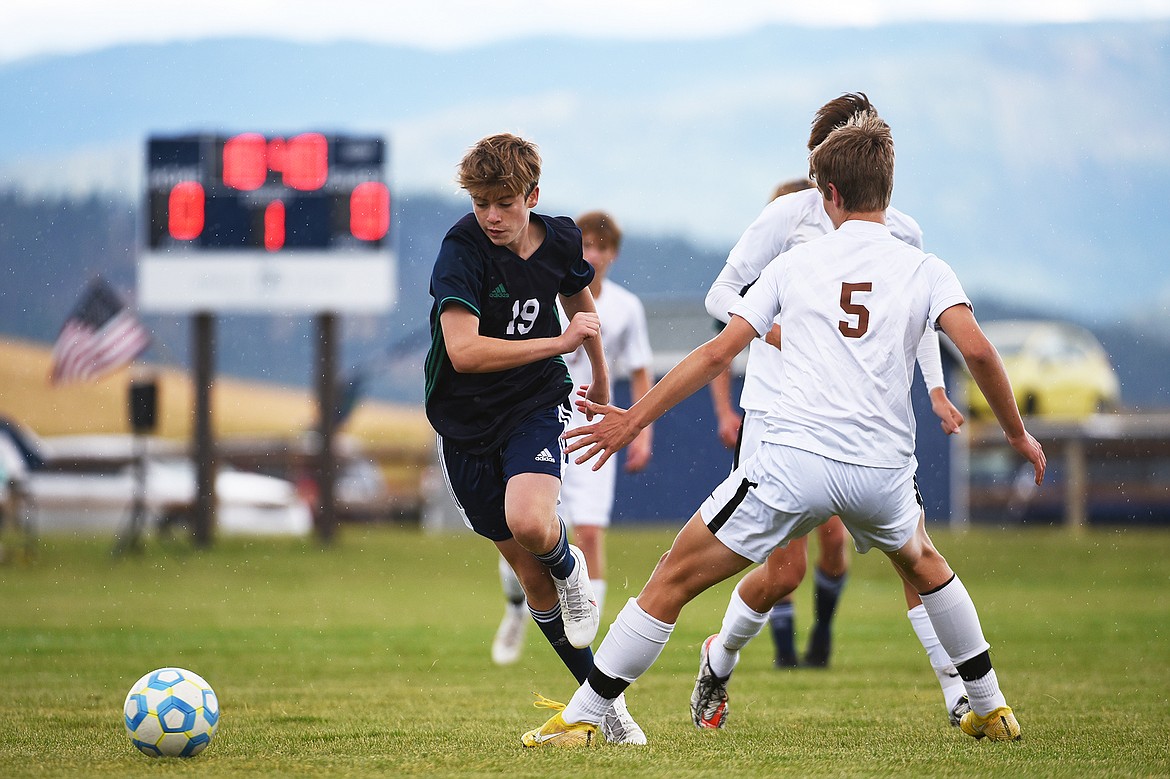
{"x": 782, "y": 493}
{"x": 587, "y": 495}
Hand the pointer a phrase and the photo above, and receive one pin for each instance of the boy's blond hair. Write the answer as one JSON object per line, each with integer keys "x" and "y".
{"x": 500, "y": 165}
{"x": 602, "y": 227}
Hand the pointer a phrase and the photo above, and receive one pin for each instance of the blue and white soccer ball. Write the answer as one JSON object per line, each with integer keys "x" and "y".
{"x": 171, "y": 712}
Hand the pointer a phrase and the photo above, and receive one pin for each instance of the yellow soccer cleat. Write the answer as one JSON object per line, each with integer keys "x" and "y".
{"x": 999, "y": 725}
{"x": 556, "y": 732}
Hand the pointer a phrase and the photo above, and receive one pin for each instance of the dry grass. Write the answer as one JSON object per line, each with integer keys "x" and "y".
{"x": 239, "y": 408}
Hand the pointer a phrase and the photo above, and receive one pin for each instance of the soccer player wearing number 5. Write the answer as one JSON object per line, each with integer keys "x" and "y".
{"x": 789, "y": 220}
{"x": 852, "y": 307}
{"x": 497, "y": 387}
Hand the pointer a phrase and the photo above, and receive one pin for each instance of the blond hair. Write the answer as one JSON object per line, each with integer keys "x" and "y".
{"x": 500, "y": 165}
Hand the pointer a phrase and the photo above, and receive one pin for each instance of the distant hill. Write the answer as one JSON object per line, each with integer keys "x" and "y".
{"x": 50, "y": 248}
{"x": 1034, "y": 156}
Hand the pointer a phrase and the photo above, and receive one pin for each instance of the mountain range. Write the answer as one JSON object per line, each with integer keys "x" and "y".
{"x": 1033, "y": 156}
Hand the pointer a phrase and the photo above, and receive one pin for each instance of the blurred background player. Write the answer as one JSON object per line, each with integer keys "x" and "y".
{"x": 496, "y": 387}
{"x": 587, "y": 496}
{"x": 796, "y": 216}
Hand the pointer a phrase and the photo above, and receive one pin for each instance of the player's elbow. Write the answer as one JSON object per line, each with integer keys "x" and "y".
{"x": 465, "y": 361}
{"x": 715, "y": 357}
{"x": 716, "y": 303}
{"x": 980, "y": 356}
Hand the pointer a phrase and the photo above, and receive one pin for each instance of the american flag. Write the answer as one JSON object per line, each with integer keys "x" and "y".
{"x": 101, "y": 335}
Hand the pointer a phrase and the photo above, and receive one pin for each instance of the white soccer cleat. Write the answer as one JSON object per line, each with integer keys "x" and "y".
{"x": 508, "y": 644}
{"x": 961, "y": 707}
{"x": 578, "y": 605}
{"x": 709, "y": 705}
{"x": 619, "y": 727}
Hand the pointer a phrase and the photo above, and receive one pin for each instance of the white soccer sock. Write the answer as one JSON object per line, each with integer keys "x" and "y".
{"x": 985, "y": 695}
{"x": 741, "y": 623}
{"x": 599, "y": 593}
{"x": 633, "y": 643}
{"x": 513, "y": 591}
{"x": 955, "y": 621}
{"x": 952, "y": 614}
{"x": 940, "y": 661}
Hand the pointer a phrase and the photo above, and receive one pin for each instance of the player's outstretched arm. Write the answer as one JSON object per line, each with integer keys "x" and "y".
{"x": 987, "y": 369}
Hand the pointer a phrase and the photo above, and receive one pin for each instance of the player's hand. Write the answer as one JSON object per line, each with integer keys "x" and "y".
{"x": 602, "y": 439}
{"x": 583, "y": 326}
{"x": 940, "y": 404}
{"x": 729, "y": 429}
{"x": 598, "y": 397}
{"x": 638, "y": 453}
{"x": 1030, "y": 448}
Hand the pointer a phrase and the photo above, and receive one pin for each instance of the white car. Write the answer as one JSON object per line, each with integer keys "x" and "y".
{"x": 96, "y": 492}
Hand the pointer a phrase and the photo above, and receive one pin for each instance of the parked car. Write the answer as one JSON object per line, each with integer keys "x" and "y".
{"x": 90, "y": 483}
{"x": 1057, "y": 369}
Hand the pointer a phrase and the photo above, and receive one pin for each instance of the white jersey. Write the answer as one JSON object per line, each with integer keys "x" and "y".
{"x": 624, "y": 335}
{"x": 587, "y": 495}
{"x": 788, "y": 221}
{"x": 852, "y": 307}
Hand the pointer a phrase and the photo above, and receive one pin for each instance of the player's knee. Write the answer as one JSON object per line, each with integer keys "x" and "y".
{"x": 783, "y": 576}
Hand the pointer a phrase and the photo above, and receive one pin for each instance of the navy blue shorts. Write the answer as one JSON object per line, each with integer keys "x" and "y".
{"x": 477, "y": 481}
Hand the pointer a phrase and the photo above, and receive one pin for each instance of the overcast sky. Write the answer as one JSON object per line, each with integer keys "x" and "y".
{"x": 31, "y": 27}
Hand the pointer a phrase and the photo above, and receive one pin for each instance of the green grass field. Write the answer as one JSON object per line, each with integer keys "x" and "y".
{"x": 370, "y": 658}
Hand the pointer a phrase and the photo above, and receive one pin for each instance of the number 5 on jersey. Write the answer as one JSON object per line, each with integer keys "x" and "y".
{"x": 847, "y": 328}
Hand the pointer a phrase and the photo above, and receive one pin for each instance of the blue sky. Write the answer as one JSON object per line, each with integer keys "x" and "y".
{"x": 32, "y": 27}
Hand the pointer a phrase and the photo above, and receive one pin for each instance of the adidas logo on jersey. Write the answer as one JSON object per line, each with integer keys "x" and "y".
{"x": 499, "y": 292}
{"x": 545, "y": 457}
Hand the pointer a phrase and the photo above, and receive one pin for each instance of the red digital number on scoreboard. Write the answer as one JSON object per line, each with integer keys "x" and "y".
{"x": 303, "y": 161}
{"x": 247, "y": 164}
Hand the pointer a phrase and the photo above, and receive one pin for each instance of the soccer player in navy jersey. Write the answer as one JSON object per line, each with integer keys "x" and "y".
{"x": 497, "y": 386}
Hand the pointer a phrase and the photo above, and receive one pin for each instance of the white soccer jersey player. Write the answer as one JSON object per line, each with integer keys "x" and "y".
{"x": 586, "y": 495}
{"x": 852, "y": 306}
{"x": 786, "y": 222}
{"x": 852, "y": 311}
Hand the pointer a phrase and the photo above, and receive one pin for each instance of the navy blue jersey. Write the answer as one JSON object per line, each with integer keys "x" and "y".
{"x": 515, "y": 299}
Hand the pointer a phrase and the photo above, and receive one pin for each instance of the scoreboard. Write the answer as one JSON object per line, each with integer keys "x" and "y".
{"x": 255, "y": 222}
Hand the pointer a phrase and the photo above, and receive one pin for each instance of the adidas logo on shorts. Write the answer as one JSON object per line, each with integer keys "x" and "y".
{"x": 545, "y": 457}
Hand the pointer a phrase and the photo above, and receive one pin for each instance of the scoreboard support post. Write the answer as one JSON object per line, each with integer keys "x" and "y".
{"x": 203, "y": 519}
{"x": 278, "y": 224}
{"x": 325, "y": 515}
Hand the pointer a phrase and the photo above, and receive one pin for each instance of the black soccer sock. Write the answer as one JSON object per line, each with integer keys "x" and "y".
{"x": 578, "y": 661}
{"x": 825, "y": 598}
{"x": 782, "y": 622}
{"x": 828, "y": 592}
{"x": 558, "y": 560}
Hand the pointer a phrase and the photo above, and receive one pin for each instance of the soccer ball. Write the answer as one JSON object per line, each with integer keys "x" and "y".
{"x": 171, "y": 712}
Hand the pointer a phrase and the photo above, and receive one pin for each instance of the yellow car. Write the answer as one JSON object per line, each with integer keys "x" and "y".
{"x": 1057, "y": 369}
